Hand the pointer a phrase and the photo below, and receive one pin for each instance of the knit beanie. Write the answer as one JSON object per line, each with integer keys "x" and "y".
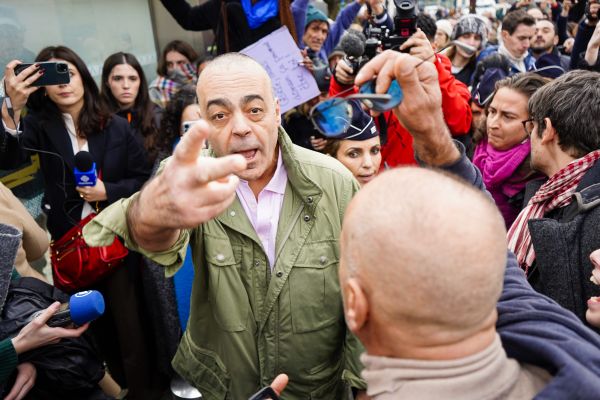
{"x": 471, "y": 24}
{"x": 314, "y": 14}
{"x": 445, "y": 26}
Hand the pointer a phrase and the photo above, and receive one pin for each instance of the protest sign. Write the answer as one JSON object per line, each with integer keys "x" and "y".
{"x": 279, "y": 55}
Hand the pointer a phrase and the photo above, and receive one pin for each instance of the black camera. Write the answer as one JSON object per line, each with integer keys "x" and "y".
{"x": 360, "y": 48}
{"x": 405, "y": 24}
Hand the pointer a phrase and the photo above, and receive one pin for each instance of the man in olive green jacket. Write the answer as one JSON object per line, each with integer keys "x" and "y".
{"x": 258, "y": 308}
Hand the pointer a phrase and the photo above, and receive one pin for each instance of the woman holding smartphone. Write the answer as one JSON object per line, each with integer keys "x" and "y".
{"x": 125, "y": 92}
{"x": 61, "y": 121}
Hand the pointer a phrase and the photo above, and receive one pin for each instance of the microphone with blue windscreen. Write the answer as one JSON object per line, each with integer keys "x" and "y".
{"x": 83, "y": 307}
{"x": 85, "y": 169}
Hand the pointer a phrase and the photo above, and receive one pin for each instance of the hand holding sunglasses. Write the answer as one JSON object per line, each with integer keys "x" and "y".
{"x": 332, "y": 117}
{"x": 420, "y": 108}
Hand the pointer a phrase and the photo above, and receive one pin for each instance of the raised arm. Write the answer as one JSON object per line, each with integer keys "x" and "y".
{"x": 194, "y": 18}
{"x": 190, "y": 191}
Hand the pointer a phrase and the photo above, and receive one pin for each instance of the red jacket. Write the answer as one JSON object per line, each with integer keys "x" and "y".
{"x": 398, "y": 149}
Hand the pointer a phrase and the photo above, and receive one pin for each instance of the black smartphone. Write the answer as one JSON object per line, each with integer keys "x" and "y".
{"x": 55, "y": 73}
{"x": 265, "y": 394}
{"x": 186, "y": 125}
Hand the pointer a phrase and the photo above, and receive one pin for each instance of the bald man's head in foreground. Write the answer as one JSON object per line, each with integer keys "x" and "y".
{"x": 422, "y": 264}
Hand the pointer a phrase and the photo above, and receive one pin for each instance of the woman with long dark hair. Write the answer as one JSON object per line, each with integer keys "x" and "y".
{"x": 125, "y": 91}
{"x": 63, "y": 120}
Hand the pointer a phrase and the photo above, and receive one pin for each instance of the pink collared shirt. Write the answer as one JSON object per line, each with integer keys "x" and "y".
{"x": 264, "y": 213}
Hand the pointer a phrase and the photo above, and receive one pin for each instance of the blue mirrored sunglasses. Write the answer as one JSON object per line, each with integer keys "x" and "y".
{"x": 332, "y": 117}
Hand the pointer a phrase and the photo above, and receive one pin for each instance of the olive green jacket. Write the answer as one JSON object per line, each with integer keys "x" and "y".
{"x": 248, "y": 324}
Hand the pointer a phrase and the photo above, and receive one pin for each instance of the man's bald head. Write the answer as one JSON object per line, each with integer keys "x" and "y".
{"x": 428, "y": 251}
{"x": 235, "y": 96}
{"x": 229, "y": 63}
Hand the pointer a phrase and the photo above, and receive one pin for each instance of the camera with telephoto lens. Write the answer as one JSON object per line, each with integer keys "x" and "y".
{"x": 405, "y": 24}
{"x": 361, "y": 47}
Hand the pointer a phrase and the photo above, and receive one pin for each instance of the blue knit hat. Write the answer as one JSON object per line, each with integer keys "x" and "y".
{"x": 362, "y": 126}
{"x": 549, "y": 66}
{"x": 314, "y": 14}
{"x": 486, "y": 87}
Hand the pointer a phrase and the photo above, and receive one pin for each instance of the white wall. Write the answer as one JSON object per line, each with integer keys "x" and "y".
{"x": 93, "y": 29}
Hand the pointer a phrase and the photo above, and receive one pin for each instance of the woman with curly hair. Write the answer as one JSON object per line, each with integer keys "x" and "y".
{"x": 183, "y": 107}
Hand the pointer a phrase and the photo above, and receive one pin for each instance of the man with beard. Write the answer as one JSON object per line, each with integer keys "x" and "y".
{"x": 518, "y": 29}
{"x": 549, "y": 61}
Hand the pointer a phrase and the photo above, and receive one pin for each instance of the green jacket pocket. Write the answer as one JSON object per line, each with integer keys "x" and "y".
{"x": 315, "y": 295}
{"x": 203, "y": 369}
{"x": 227, "y": 294}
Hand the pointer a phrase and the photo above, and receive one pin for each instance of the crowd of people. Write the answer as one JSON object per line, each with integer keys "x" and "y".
{"x": 426, "y": 227}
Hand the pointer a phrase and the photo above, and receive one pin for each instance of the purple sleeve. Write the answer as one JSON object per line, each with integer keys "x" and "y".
{"x": 299, "y": 13}
{"x": 342, "y": 22}
{"x": 536, "y": 330}
{"x": 463, "y": 168}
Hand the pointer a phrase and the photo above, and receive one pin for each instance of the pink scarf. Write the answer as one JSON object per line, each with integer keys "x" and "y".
{"x": 499, "y": 170}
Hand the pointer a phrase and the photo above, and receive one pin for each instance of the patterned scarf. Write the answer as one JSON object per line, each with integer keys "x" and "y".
{"x": 557, "y": 192}
{"x": 162, "y": 89}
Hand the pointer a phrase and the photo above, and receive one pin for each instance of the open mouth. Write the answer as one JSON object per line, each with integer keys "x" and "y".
{"x": 365, "y": 177}
{"x": 594, "y": 302}
{"x": 248, "y": 154}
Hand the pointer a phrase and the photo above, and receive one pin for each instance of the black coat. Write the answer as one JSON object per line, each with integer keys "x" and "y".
{"x": 117, "y": 154}
{"x": 563, "y": 241}
{"x": 208, "y": 16}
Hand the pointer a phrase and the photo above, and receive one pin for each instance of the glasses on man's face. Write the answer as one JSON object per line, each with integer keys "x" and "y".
{"x": 528, "y": 125}
{"x": 332, "y": 117}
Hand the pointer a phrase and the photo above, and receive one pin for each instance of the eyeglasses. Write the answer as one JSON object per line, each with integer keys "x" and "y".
{"x": 528, "y": 125}
{"x": 332, "y": 117}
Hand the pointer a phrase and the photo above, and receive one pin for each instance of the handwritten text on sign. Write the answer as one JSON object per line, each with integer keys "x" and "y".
{"x": 279, "y": 55}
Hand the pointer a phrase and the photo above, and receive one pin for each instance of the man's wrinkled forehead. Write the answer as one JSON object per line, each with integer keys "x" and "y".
{"x": 220, "y": 83}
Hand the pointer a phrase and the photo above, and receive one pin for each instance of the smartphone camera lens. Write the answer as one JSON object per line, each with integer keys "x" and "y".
{"x": 61, "y": 68}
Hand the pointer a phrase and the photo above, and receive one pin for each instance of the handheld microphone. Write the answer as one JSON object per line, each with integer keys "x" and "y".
{"x": 470, "y": 50}
{"x": 85, "y": 169}
{"x": 83, "y": 307}
{"x": 353, "y": 44}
